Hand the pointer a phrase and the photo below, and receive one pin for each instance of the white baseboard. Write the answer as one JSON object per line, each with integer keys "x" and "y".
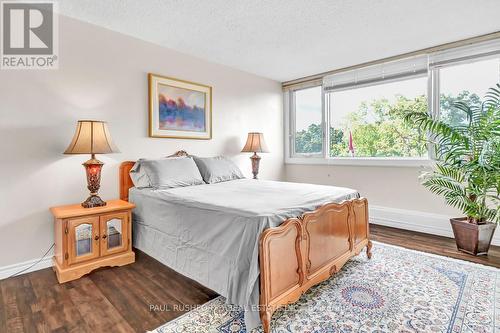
{"x": 7, "y": 271}
{"x": 429, "y": 223}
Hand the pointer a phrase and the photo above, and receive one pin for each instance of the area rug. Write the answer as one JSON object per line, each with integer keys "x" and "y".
{"x": 398, "y": 290}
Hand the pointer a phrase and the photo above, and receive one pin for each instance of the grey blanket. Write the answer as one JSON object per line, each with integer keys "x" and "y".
{"x": 211, "y": 231}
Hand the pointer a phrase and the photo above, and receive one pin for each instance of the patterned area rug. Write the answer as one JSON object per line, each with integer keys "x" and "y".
{"x": 398, "y": 290}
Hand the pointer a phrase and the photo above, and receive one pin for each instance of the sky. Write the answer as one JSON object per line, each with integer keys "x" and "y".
{"x": 475, "y": 77}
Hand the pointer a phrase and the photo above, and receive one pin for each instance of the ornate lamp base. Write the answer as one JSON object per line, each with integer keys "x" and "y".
{"x": 93, "y": 170}
{"x": 255, "y": 164}
{"x": 93, "y": 201}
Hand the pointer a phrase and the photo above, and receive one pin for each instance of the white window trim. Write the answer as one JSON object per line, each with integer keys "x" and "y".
{"x": 433, "y": 93}
{"x": 362, "y": 161}
{"x": 289, "y": 105}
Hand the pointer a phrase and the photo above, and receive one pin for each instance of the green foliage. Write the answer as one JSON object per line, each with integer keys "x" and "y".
{"x": 310, "y": 140}
{"x": 338, "y": 145}
{"x": 447, "y": 108}
{"x": 378, "y": 130}
{"x": 467, "y": 147}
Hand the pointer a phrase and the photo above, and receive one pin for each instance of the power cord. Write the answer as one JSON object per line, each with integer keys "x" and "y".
{"x": 34, "y": 264}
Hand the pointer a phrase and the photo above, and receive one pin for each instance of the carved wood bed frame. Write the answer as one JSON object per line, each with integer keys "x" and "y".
{"x": 302, "y": 251}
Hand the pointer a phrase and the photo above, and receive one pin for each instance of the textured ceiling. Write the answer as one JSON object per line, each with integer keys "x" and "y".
{"x": 288, "y": 39}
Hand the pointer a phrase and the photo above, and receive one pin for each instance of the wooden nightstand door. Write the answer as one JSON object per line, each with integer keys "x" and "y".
{"x": 83, "y": 239}
{"x": 114, "y": 233}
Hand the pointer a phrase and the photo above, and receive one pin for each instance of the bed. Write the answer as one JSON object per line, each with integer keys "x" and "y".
{"x": 261, "y": 244}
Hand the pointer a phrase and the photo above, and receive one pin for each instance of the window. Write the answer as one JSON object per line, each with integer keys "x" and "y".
{"x": 468, "y": 83}
{"x": 356, "y": 116}
{"x": 308, "y": 129}
{"x": 368, "y": 121}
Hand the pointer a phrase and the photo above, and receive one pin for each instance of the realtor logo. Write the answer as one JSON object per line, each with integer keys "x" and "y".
{"x": 29, "y": 35}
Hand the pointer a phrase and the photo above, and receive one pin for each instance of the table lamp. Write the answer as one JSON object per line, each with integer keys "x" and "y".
{"x": 255, "y": 144}
{"x": 92, "y": 137}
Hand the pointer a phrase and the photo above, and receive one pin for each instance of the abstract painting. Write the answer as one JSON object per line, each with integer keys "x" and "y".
{"x": 179, "y": 109}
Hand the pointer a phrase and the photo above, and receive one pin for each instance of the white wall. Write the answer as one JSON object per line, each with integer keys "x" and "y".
{"x": 103, "y": 75}
{"x": 396, "y": 187}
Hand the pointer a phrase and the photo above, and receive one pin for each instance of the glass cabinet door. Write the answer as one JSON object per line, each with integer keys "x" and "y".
{"x": 83, "y": 239}
{"x": 83, "y": 236}
{"x": 114, "y": 233}
{"x": 114, "y": 229}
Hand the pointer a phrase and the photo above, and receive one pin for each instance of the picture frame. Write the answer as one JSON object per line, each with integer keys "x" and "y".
{"x": 179, "y": 109}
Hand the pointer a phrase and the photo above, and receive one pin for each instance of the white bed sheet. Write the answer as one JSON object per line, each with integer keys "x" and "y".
{"x": 210, "y": 232}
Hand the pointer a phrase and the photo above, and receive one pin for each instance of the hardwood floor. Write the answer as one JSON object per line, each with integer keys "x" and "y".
{"x": 146, "y": 294}
{"x": 132, "y": 298}
{"x": 429, "y": 243}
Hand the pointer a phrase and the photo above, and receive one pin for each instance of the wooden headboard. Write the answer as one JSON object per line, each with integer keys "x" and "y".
{"x": 126, "y": 182}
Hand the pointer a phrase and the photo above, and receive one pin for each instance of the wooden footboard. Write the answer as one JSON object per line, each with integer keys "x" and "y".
{"x": 305, "y": 251}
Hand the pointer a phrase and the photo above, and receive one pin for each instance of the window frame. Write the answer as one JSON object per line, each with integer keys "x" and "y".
{"x": 291, "y": 121}
{"x": 324, "y": 158}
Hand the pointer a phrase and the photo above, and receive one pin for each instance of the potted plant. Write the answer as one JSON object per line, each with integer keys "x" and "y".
{"x": 467, "y": 170}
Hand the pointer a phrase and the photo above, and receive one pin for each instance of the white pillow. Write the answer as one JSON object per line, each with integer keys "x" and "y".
{"x": 165, "y": 173}
{"x": 217, "y": 169}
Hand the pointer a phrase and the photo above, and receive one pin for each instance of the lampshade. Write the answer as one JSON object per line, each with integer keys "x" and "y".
{"x": 255, "y": 144}
{"x": 91, "y": 137}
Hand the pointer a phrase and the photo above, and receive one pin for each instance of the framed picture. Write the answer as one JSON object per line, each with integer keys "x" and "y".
{"x": 179, "y": 109}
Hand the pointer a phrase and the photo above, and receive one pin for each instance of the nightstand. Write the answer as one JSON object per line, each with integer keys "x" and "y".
{"x": 89, "y": 238}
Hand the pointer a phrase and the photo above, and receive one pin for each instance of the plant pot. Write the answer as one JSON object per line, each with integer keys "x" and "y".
{"x": 472, "y": 238}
